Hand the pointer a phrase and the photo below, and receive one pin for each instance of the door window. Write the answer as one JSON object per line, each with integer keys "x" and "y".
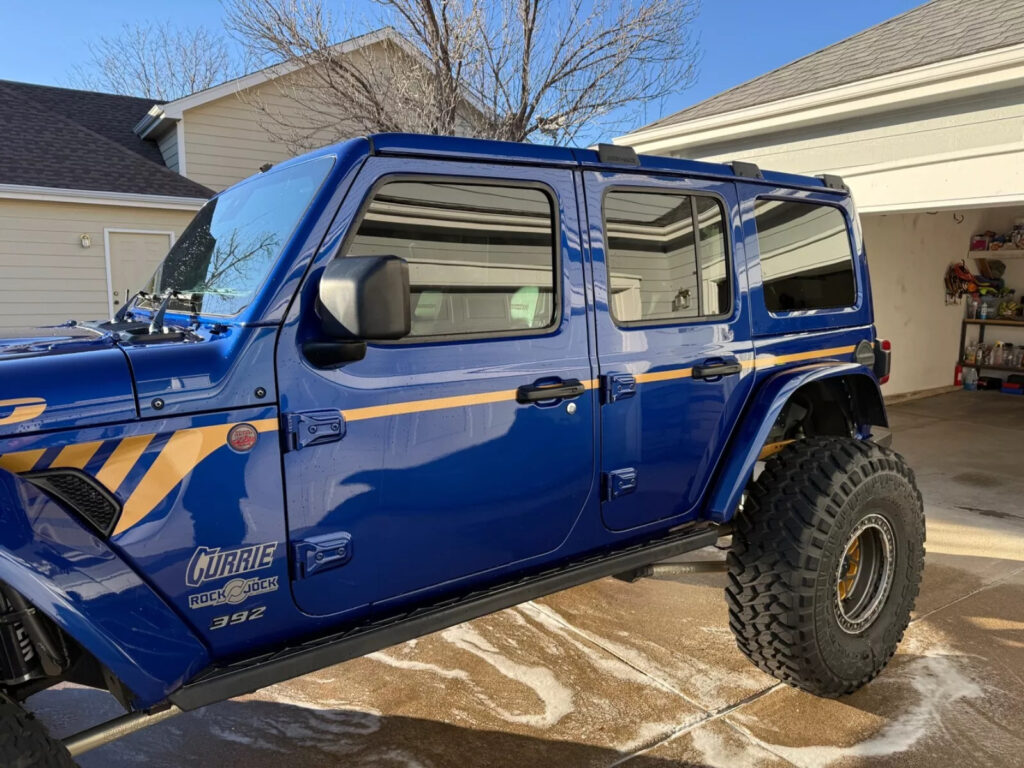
{"x": 481, "y": 257}
{"x": 806, "y": 258}
{"x": 667, "y": 257}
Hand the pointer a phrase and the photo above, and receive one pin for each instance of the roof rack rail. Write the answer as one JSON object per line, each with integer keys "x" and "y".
{"x": 746, "y": 170}
{"x": 834, "y": 182}
{"x": 618, "y": 155}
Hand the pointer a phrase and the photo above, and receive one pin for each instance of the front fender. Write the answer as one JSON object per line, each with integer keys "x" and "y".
{"x": 79, "y": 582}
{"x": 760, "y": 415}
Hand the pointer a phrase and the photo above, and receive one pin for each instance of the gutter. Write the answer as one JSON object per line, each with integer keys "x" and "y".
{"x": 95, "y": 197}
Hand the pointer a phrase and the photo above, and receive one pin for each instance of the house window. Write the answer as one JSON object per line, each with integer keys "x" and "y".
{"x": 806, "y": 258}
{"x": 481, "y": 257}
{"x": 666, "y": 256}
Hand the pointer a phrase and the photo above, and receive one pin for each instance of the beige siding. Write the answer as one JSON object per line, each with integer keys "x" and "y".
{"x": 225, "y": 141}
{"x": 46, "y": 275}
{"x": 168, "y": 144}
{"x": 987, "y": 120}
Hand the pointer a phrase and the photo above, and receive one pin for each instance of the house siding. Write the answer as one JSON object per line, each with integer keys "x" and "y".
{"x": 982, "y": 121}
{"x": 168, "y": 144}
{"x": 48, "y": 276}
{"x": 225, "y": 141}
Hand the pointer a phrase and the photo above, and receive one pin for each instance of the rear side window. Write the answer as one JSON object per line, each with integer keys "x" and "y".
{"x": 806, "y": 259}
{"x": 666, "y": 257}
{"x": 481, "y": 257}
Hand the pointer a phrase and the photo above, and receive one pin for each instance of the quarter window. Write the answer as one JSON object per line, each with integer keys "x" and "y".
{"x": 666, "y": 256}
{"x": 481, "y": 257}
{"x": 806, "y": 258}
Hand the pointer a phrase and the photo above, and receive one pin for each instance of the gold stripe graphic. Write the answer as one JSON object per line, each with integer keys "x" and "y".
{"x": 182, "y": 453}
{"x": 769, "y": 361}
{"x": 25, "y": 408}
{"x": 76, "y": 455}
{"x": 763, "y": 362}
{"x": 186, "y": 448}
{"x": 120, "y": 462}
{"x": 436, "y": 404}
{"x": 22, "y": 461}
{"x": 483, "y": 398}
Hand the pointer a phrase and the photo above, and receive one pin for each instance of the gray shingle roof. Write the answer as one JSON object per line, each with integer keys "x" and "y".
{"x": 933, "y": 32}
{"x": 68, "y": 139}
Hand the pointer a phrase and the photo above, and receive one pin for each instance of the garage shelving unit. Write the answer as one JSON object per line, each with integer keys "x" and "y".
{"x": 982, "y": 324}
{"x": 1002, "y": 253}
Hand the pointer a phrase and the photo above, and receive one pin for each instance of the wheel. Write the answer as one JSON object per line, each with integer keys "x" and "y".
{"x": 24, "y": 742}
{"x": 825, "y": 563}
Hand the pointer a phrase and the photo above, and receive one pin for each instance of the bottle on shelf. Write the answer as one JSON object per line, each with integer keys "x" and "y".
{"x": 971, "y": 353}
{"x": 970, "y": 379}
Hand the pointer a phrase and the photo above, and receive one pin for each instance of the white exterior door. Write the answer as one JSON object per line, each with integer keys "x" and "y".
{"x": 132, "y": 257}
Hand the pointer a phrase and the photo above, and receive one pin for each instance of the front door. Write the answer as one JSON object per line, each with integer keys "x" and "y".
{"x": 673, "y": 337}
{"x": 453, "y": 458}
{"x": 134, "y": 256}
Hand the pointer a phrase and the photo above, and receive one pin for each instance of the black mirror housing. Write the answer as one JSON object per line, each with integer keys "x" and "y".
{"x": 365, "y": 298}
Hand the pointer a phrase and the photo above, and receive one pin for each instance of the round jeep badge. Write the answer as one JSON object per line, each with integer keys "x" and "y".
{"x": 242, "y": 437}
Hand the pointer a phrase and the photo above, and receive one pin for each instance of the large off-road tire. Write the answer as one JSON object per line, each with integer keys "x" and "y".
{"x": 825, "y": 563}
{"x": 24, "y": 742}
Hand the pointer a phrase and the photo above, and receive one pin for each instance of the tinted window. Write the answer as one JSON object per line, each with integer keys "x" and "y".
{"x": 806, "y": 260}
{"x": 225, "y": 254}
{"x": 659, "y": 270}
{"x": 481, "y": 257}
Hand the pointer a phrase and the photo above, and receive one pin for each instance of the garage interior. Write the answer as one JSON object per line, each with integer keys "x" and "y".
{"x": 908, "y": 255}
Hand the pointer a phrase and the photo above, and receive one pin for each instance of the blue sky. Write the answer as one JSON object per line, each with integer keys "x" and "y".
{"x": 40, "y": 42}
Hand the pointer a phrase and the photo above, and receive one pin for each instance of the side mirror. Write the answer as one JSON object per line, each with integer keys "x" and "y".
{"x": 365, "y": 297}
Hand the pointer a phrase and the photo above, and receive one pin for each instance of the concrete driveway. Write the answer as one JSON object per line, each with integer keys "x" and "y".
{"x": 647, "y": 675}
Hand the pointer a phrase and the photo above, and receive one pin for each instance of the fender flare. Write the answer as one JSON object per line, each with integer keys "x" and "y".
{"x": 80, "y": 583}
{"x": 761, "y": 413}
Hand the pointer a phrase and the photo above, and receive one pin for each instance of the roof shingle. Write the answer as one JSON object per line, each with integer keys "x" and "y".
{"x": 68, "y": 139}
{"x": 936, "y": 31}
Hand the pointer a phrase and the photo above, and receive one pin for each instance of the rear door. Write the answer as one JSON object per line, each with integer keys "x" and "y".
{"x": 673, "y": 338}
{"x": 453, "y": 459}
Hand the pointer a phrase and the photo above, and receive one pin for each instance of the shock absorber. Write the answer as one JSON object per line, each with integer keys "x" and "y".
{"x": 28, "y": 647}
{"x": 19, "y": 661}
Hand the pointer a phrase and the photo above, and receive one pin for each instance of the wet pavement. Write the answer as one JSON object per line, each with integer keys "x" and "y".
{"x": 647, "y": 675}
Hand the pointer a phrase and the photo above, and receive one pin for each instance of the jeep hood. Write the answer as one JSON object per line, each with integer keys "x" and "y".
{"x": 59, "y": 377}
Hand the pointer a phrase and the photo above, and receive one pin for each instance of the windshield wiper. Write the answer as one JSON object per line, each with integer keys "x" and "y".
{"x": 156, "y": 325}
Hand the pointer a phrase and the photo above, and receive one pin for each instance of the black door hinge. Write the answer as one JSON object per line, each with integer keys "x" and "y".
{"x": 618, "y": 386}
{"x": 307, "y": 428}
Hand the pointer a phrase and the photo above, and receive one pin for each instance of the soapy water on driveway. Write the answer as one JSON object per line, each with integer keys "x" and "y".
{"x": 646, "y": 675}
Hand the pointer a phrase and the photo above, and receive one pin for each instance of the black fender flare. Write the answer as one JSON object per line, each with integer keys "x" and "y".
{"x": 762, "y": 411}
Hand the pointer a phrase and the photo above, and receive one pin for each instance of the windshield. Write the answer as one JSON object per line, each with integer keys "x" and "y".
{"x": 225, "y": 254}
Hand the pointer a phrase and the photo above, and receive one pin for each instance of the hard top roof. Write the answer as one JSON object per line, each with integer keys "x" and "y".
{"x": 542, "y": 154}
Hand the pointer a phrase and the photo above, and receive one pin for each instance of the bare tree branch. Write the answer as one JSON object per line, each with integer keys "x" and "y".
{"x": 157, "y": 60}
{"x": 519, "y": 70}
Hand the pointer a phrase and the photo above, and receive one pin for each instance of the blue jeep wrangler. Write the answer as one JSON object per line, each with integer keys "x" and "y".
{"x": 405, "y": 381}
